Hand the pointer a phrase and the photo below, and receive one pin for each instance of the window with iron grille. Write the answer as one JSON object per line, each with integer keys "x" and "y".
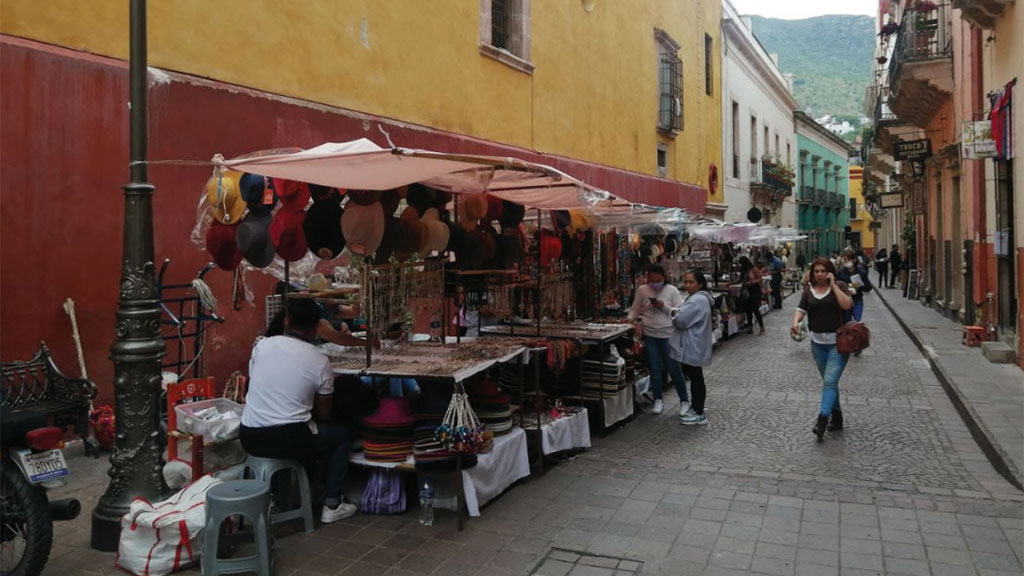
{"x": 707, "y": 64}
{"x": 670, "y": 82}
{"x": 500, "y": 24}
{"x": 853, "y": 208}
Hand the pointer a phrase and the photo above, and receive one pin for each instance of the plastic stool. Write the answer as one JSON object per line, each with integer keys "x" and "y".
{"x": 248, "y": 498}
{"x": 263, "y": 469}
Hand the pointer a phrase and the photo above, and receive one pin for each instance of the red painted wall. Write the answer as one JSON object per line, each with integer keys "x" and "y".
{"x": 64, "y": 145}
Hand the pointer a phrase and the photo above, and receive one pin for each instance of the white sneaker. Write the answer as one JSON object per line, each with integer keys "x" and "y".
{"x": 344, "y": 510}
{"x": 659, "y": 407}
{"x": 684, "y": 409}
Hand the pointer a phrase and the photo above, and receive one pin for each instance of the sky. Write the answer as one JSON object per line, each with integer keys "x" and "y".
{"x": 797, "y": 9}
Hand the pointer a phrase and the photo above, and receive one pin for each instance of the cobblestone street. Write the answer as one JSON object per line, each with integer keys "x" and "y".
{"x": 903, "y": 489}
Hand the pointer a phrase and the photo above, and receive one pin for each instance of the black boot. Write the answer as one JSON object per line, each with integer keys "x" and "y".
{"x": 836, "y": 422}
{"x": 820, "y": 425}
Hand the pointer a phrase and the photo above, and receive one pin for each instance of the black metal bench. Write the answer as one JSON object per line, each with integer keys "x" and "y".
{"x": 38, "y": 387}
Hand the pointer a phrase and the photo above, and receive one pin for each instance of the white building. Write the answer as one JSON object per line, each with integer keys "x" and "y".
{"x": 758, "y": 130}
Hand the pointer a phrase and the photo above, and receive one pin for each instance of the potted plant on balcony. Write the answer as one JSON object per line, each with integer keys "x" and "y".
{"x": 889, "y": 29}
{"x": 776, "y": 173}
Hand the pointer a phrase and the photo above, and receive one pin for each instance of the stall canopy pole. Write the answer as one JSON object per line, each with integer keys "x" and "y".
{"x": 136, "y": 467}
{"x": 540, "y": 275}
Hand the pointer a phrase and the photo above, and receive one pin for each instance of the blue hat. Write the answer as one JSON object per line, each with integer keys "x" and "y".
{"x": 257, "y": 196}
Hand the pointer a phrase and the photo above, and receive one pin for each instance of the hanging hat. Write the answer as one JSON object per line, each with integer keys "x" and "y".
{"x": 495, "y": 206}
{"x": 550, "y": 248}
{"x": 253, "y": 238}
{"x": 388, "y": 243}
{"x": 258, "y": 196}
{"x": 560, "y": 220}
{"x": 420, "y": 197}
{"x": 365, "y": 197}
{"x": 511, "y": 214}
{"x": 286, "y": 233}
{"x": 456, "y": 240}
{"x": 474, "y": 206}
{"x": 323, "y": 224}
{"x": 511, "y": 247}
{"x": 220, "y": 243}
{"x": 392, "y": 413}
{"x": 224, "y": 197}
{"x": 389, "y": 201}
{"x": 437, "y": 232}
{"x": 293, "y": 195}
{"x": 363, "y": 227}
{"x": 580, "y": 220}
{"x": 413, "y": 235}
{"x": 441, "y": 199}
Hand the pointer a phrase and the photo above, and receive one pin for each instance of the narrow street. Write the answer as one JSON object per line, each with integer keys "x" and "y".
{"x": 903, "y": 489}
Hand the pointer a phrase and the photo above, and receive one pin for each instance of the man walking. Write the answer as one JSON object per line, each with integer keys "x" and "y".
{"x": 775, "y": 266}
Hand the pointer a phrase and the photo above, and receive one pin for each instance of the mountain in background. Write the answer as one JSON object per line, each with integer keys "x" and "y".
{"x": 830, "y": 56}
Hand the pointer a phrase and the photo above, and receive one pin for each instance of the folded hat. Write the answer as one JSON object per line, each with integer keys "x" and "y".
{"x": 224, "y": 197}
{"x": 253, "y": 239}
{"x": 364, "y": 197}
{"x": 293, "y": 195}
{"x": 363, "y": 227}
{"x": 323, "y": 224}
{"x": 286, "y": 233}
{"x": 222, "y": 246}
{"x": 258, "y": 196}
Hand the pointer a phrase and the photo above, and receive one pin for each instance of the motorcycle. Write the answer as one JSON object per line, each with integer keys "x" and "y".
{"x": 31, "y": 461}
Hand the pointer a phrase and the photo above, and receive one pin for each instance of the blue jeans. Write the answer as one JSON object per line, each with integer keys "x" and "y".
{"x": 830, "y": 365}
{"x": 658, "y": 358}
{"x": 857, "y": 312}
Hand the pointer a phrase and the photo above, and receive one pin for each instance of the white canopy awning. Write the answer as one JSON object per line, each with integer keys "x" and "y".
{"x": 363, "y": 165}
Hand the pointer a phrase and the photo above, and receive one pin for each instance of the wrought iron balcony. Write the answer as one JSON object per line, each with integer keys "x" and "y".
{"x": 921, "y": 70}
{"x": 807, "y": 195}
{"x": 769, "y": 177}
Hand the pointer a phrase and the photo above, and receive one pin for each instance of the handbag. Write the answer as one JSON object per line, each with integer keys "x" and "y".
{"x": 852, "y": 337}
{"x": 385, "y": 493}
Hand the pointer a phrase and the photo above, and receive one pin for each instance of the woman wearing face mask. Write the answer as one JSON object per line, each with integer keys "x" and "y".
{"x": 692, "y": 343}
{"x": 855, "y": 275}
{"x": 650, "y": 312}
{"x": 823, "y": 303}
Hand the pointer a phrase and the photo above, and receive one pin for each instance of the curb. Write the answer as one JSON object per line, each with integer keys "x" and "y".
{"x": 986, "y": 440}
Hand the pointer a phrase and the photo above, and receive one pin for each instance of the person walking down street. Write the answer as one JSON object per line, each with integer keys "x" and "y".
{"x": 775, "y": 266}
{"x": 651, "y": 313}
{"x": 823, "y": 304}
{"x": 895, "y": 265}
{"x": 691, "y": 344}
{"x": 855, "y": 275}
{"x": 801, "y": 262}
{"x": 882, "y": 265}
{"x": 753, "y": 282}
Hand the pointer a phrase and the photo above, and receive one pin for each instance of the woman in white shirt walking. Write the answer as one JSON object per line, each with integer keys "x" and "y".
{"x": 651, "y": 309}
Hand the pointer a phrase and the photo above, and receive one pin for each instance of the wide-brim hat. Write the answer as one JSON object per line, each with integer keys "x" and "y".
{"x": 363, "y": 227}
{"x": 323, "y": 226}
{"x": 474, "y": 206}
{"x": 511, "y": 247}
{"x": 258, "y": 196}
{"x": 224, "y": 196}
{"x": 293, "y": 195}
{"x": 511, "y": 214}
{"x": 286, "y": 233}
{"x": 388, "y": 243}
{"x": 390, "y": 200}
{"x": 391, "y": 413}
{"x": 580, "y": 220}
{"x": 437, "y": 232}
{"x": 495, "y": 207}
{"x": 420, "y": 197}
{"x": 550, "y": 248}
{"x": 221, "y": 244}
{"x": 253, "y": 238}
{"x": 413, "y": 235}
{"x": 365, "y": 197}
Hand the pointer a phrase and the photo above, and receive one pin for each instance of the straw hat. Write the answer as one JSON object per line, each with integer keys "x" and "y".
{"x": 253, "y": 238}
{"x": 437, "y": 232}
{"x": 260, "y": 198}
{"x": 293, "y": 195}
{"x": 317, "y": 283}
{"x": 365, "y": 197}
{"x": 580, "y": 220}
{"x": 223, "y": 195}
{"x": 286, "y": 233}
{"x": 363, "y": 227}
{"x": 474, "y": 206}
{"x": 323, "y": 223}
{"x": 220, "y": 243}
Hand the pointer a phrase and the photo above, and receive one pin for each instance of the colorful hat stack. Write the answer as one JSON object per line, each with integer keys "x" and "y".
{"x": 388, "y": 434}
{"x": 491, "y": 406}
{"x": 430, "y": 454}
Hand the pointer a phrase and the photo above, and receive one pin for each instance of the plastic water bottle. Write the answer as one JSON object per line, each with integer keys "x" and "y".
{"x": 427, "y": 502}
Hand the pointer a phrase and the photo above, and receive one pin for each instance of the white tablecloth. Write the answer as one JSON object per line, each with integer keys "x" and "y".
{"x": 495, "y": 471}
{"x": 566, "y": 433}
{"x": 618, "y": 407}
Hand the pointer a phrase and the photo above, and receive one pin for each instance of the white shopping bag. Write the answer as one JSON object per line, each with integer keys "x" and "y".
{"x": 163, "y": 537}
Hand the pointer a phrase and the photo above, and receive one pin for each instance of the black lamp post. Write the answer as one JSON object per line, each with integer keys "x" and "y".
{"x": 136, "y": 467}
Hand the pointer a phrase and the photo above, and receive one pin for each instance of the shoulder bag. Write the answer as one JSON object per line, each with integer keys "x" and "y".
{"x": 851, "y": 337}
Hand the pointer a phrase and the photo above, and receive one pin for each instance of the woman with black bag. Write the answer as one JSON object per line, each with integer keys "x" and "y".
{"x": 824, "y": 302}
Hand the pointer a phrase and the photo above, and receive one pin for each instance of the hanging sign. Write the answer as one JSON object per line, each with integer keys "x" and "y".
{"x": 891, "y": 200}
{"x": 976, "y": 140}
{"x": 913, "y": 150}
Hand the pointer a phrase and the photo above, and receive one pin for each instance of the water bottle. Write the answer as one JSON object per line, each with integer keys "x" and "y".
{"x": 427, "y": 502}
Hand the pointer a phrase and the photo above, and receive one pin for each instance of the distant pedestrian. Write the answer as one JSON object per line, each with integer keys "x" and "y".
{"x": 895, "y": 265}
{"x": 882, "y": 265}
{"x": 855, "y": 275}
{"x": 823, "y": 303}
{"x": 653, "y": 303}
{"x": 801, "y": 262}
{"x": 691, "y": 345}
{"x": 753, "y": 284}
{"x": 775, "y": 266}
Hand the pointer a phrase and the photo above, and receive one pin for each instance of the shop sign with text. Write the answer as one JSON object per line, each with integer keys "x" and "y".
{"x": 913, "y": 150}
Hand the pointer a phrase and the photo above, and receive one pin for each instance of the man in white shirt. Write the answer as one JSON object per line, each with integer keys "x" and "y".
{"x": 651, "y": 311}
{"x": 291, "y": 384}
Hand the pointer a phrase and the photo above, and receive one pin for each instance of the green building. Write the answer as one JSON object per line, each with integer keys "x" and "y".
{"x": 823, "y": 179}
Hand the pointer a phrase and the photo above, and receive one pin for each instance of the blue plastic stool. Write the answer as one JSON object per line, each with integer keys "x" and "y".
{"x": 263, "y": 469}
{"x": 247, "y": 498}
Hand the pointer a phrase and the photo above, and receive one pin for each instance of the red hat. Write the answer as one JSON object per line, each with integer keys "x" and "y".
{"x": 286, "y": 233}
{"x": 392, "y": 413}
{"x": 293, "y": 195}
{"x": 550, "y": 247}
{"x": 220, "y": 243}
{"x": 495, "y": 206}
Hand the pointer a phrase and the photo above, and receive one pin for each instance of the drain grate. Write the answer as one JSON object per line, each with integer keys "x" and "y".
{"x": 561, "y": 562}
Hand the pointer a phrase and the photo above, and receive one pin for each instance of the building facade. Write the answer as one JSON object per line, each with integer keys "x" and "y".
{"x": 824, "y": 179}
{"x": 758, "y": 136}
{"x": 863, "y": 232}
{"x": 625, "y": 96}
{"x": 948, "y": 82}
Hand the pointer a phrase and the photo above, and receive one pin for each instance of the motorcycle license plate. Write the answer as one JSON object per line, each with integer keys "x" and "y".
{"x": 43, "y": 466}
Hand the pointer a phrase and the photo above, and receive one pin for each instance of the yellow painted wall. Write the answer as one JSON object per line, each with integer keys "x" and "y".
{"x": 867, "y": 236}
{"x": 592, "y": 96}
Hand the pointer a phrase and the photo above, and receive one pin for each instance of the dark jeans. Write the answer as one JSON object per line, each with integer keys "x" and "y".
{"x": 297, "y": 442}
{"x": 698, "y": 391}
{"x": 658, "y": 360}
{"x": 883, "y": 273}
{"x": 752, "y": 306}
{"x": 894, "y": 276}
{"x": 776, "y": 284}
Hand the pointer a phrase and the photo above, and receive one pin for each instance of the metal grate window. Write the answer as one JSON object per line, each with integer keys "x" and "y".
{"x": 853, "y": 209}
{"x": 670, "y": 81}
{"x": 707, "y": 64}
{"x": 500, "y": 24}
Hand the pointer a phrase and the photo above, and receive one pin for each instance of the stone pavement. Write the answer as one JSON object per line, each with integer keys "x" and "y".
{"x": 903, "y": 490}
{"x": 990, "y": 397}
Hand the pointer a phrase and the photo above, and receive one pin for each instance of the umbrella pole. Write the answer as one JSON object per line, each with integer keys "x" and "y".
{"x": 540, "y": 276}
